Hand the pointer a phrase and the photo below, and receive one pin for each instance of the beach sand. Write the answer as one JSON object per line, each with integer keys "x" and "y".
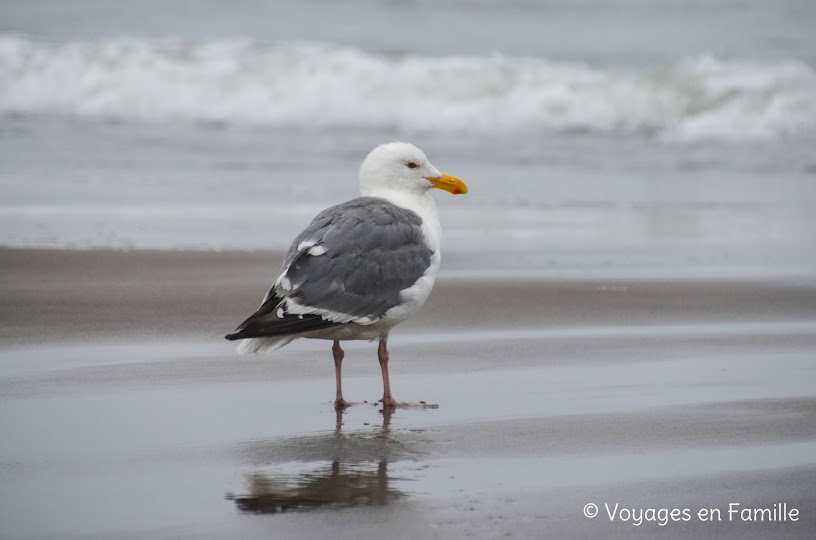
{"x": 125, "y": 414}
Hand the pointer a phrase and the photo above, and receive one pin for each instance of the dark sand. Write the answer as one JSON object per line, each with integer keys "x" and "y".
{"x": 125, "y": 415}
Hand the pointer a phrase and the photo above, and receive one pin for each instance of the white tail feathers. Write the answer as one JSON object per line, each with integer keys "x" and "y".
{"x": 259, "y": 345}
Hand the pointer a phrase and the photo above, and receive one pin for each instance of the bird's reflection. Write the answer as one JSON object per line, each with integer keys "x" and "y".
{"x": 336, "y": 469}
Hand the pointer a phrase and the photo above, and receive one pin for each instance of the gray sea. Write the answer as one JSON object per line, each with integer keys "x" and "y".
{"x": 612, "y": 136}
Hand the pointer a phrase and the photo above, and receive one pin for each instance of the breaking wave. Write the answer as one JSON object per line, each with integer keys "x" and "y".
{"x": 315, "y": 85}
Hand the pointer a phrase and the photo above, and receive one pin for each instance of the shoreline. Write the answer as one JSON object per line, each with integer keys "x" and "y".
{"x": 55, "y": 295}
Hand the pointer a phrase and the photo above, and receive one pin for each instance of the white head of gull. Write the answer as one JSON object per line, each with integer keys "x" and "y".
{"x": 361, "y": 267}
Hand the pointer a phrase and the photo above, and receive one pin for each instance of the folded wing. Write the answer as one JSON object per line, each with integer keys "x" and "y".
{"x": 348, "y": 266}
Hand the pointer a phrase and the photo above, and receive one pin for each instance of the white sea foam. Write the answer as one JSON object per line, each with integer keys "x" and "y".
{"x": 314, "y": 85}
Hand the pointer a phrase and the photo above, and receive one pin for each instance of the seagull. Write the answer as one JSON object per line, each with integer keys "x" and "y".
{"x": 360, "y": 267}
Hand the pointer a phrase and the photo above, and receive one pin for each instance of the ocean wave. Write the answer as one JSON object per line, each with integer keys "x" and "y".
{"x": 315, "y": 85}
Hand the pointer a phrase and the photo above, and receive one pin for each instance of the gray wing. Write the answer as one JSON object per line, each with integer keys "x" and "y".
{"x": 354, "y": 259}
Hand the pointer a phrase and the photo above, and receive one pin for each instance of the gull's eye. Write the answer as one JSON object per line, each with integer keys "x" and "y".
{"x": 412, "y": 165}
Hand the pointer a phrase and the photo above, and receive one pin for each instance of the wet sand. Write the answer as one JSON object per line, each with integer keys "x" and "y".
{"x": 124, "y": 414}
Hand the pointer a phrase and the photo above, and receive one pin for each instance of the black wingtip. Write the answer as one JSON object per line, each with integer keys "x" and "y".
{"x": 233, "y": 337}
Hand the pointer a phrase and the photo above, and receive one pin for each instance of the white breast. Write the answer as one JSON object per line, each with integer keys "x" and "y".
{"x": 412, "y": 298}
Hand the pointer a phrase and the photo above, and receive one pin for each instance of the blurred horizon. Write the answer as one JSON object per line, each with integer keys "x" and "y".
{"x": 623, "y": 32}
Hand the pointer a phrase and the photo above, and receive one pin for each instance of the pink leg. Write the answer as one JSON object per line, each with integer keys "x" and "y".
{"x": 337, "y": 352}
{"x": 388, "y": 400}
{"x": 382, "y": 353}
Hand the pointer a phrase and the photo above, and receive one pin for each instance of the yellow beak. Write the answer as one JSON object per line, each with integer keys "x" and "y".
{"x": 449, "y": 183}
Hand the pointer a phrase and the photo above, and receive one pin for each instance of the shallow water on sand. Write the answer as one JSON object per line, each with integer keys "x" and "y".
{"x": 184, "y": 439}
